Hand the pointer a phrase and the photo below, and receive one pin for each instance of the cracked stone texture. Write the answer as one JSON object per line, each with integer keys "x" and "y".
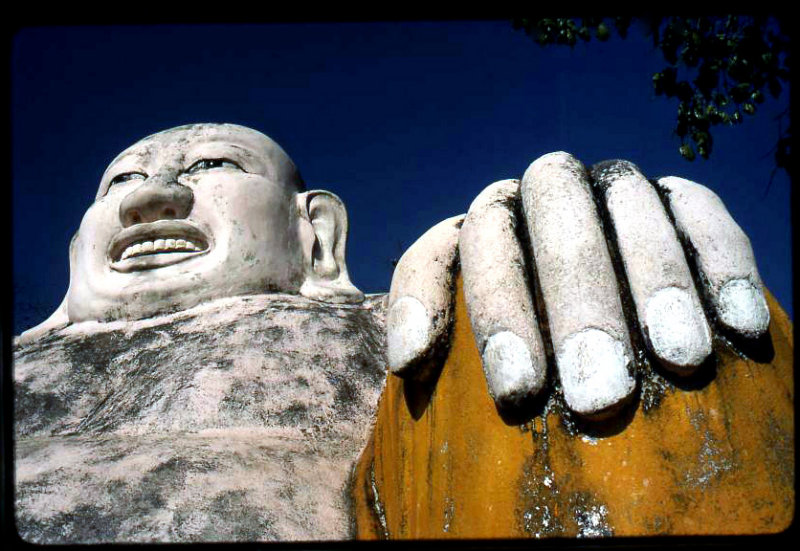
{"x": 237, "y": 420}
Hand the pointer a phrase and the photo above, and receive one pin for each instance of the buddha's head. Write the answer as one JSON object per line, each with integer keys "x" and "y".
{"x": 201, "y": 212}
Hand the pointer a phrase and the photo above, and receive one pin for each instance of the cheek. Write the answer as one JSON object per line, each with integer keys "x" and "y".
{"x": 252, "y": 218}
{"x": 99, "y": 225}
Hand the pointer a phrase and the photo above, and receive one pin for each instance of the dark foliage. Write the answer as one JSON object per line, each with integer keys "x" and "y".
{"x": 719, "y": 68}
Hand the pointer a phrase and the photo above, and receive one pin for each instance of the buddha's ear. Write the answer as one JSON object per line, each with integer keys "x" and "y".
{"x": 323, "y": 234}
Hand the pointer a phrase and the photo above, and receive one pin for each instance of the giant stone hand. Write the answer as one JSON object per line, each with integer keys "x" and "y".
{"x": 556, "y": 260}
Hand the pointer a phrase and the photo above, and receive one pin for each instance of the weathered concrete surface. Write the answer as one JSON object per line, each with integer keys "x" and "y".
{"x": 579, "y": 288}
{"x": 498, "y": 295}
{"x": 237, "y": 420}
{"x": 667, "y": 305}
{"x": 724, "y": 256}
{"x": 714, "y": 456}
{"x": 420, "y": 315}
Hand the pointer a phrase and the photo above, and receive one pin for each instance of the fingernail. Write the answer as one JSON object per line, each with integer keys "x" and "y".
{"x": 678, "y": 330}
{"x": 593, "y": 368}
{"x": 509, "y": 368}
{"x": 408, "y": 333}
{"x": 742, "y": 307}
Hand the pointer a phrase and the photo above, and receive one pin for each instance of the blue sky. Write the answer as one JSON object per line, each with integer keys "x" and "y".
{"x": 407, "y": 122}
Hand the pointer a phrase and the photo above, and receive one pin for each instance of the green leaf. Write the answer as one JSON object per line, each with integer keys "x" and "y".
{"x": 687, "y": 152}
{"x": 701, "y": 138}
{"x": 602, "y": 32}
{"x": 729, "y": 63}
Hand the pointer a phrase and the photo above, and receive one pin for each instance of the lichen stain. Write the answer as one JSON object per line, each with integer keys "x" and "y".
{"x": 712, "y": 458}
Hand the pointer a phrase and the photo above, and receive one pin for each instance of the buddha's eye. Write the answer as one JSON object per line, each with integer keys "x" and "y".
{"x": 125, "y": 177}
{"x": 209, "y": 164}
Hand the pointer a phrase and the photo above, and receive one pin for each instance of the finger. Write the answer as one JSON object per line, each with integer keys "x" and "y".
{"x": 723, "y": 255}
{"x": 498, "y": 296}
{"x": 669, "y": 310}
{"x": 421, "y": 302}
{"x": 590, "y": 339}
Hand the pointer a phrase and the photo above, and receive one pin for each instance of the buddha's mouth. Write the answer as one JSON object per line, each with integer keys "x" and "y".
{"x": 156, "y": 244}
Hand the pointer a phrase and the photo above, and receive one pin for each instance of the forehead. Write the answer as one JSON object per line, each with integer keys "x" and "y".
{"x": 254, "y": 151}
{"x": 182, "y": 140}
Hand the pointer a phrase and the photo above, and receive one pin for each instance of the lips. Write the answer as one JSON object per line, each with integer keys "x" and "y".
{"x": 156, "y": 244}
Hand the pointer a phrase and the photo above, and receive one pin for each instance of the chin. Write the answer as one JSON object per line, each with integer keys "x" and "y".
{"x": 137, "y": 301}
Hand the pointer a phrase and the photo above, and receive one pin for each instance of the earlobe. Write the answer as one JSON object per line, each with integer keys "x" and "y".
{"x": 323, "y": 220}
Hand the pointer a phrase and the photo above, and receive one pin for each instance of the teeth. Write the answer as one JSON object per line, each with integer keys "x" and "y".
{"x": 159, "y": 245}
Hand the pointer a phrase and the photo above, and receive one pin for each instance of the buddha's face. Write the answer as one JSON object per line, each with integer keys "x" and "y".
{"x": 187, "y": 215}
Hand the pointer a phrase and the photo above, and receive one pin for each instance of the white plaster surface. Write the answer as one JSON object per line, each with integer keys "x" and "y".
{"x": 498, "y": 295}
{"x": 594, "y": 372}
{"x": 678, "y": 331}
{"x": 724, "y": 254}
{"x": 577, "y": 279}
{"x": 323, "y": 245}
{"x": 661, "y": 284}
{"x": 426, "y": 273}
{"x": 224, "y": 198}
{"x": 510, "y": 371}
{"x": 743, "y": 307}
{"x": 411, "y": 331}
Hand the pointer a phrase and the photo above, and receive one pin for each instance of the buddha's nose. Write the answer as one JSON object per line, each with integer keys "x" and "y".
{"x": 160, "y": 197}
